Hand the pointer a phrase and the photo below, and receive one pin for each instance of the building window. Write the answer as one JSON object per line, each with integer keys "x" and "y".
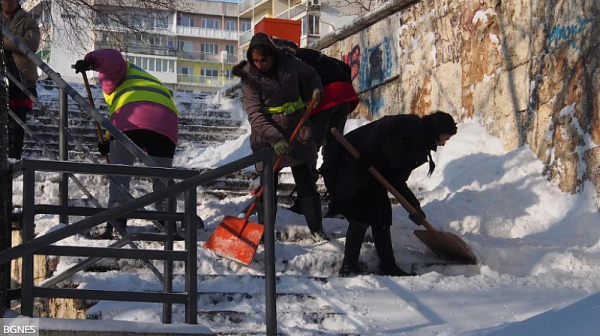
{"x": 313, "y": 25}
{"x": 184, "y": 70}
{"x": 245, "y": 26}
{"x": 209, "y": 48}
{"x": 136, "y": 20}
{"x": 185, "y": 21}
{"x": 210, "y": 23}
{"x": 229, "y": 25}
{"x": 157, "y": 41}
{"x": 157, "y": 21}
{"x": 230, "y": 50}
{"x": 209, "y": 72}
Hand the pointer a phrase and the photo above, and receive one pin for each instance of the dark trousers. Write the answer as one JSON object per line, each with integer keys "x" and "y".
{"x": 16, "y": 134}
{"x": 324, "y": 121}
{"x": 307, "y": 193}
{"x": 381, "y": 237}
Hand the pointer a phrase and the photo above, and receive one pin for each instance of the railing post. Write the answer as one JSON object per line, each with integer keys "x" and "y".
{"x": 269, "y": 211}
{"x": 7, "y": 231}
{"x": 168, "y": 264}
{"x": 191, "y": 266}
{"x": 63, "y": 152}
{"x": 28, "y": 229}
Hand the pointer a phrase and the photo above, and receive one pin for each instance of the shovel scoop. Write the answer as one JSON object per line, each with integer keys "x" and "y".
{"x": 236, "y": 239}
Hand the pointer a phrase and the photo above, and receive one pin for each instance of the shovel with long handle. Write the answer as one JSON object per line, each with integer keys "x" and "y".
{"x": 446, "y": 245}
{"x": 91, "y": 100}
{"x": 238, "y": 238}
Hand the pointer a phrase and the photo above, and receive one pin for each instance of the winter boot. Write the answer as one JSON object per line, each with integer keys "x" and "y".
{"x": 108, "y": 233}
{"x": 383, "y": 244}
{"x": 348, "y": 270}
{"x": 393, "y": 270}
{"x": 354, "y": 240}
{"x": 314, "y": 219}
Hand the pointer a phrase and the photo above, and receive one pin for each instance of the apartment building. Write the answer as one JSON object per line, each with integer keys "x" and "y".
{"x": 306, "y": 11}
{"x": 191, "y": 48}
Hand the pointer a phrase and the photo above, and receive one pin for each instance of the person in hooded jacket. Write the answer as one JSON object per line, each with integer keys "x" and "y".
{"x": 143, "y": 109}
{"x": 395, "y": 146}
{"x": 275, "y": 86}
{"x": 23, "y": 26}
{"x": 339, "y": 100}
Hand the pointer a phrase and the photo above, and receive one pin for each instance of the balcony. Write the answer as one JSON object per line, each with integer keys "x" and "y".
{"x": 205, "y": 81}
{"x": 131, "y": 49}
{"x": 249, "y": 4}
{"x": 245, "y": 37}
{"x": 206, "y": 57}
{"x": 294, "y": 12}
{"x": 207, "y": 33}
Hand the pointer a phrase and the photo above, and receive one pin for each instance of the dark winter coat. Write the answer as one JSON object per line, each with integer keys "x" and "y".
{"x": 27, "y": 29}
{"x": 395, "y": 146}
{"x": 295, "y": 79}
{"x": 335, "y": 77}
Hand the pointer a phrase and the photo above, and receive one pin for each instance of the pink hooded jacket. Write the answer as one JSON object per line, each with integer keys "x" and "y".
{"x": 151, "y": 116}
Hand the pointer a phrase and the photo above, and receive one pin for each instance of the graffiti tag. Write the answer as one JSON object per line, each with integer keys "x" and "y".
{"x": 569, "y": 33}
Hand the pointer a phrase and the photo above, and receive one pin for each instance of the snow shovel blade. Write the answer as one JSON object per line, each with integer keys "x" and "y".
{"x": 447, "y": 246}
{"x": 236, "y": 239}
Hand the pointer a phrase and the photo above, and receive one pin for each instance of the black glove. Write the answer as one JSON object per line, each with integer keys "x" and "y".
{"x": 83, "y": 65}
{"x": 104, "y": 147}
{"x": 417, "y": 217}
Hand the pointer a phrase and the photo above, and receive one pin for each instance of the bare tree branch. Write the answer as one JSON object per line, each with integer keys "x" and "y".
{"x": 120, "y": 21}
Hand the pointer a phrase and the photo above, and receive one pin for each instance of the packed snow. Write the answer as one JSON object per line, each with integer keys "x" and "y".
{"x": 538, "y": 251}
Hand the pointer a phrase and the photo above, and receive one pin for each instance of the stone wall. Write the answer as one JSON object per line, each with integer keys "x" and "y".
{"x": 527, "y": 69}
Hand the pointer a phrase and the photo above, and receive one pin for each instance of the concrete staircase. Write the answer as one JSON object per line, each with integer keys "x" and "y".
{"x": 225, "y": 307}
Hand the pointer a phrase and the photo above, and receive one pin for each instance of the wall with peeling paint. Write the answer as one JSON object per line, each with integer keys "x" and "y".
{"x": 528, "y": 69}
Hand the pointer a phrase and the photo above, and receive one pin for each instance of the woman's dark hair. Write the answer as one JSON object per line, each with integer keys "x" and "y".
{"x": 435, "y": 124}
{"x": 262, "y": 50}
{"x": 440, "y": 123}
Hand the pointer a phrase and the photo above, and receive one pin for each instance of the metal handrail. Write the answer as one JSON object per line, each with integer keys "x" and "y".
{"x": 92, "y": 199}
{"x": 32, "y": 245}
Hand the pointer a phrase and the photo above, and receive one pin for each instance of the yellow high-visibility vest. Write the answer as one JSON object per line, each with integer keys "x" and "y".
{"x": 287, "y": 108}
{"x": 138, "y": 85}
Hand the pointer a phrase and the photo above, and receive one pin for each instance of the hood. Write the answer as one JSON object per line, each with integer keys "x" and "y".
{"x": 239, "y": 70}
{"x": 261, "y": 39}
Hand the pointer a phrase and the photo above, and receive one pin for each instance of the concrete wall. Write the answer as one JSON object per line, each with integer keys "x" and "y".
{"x": 528, "y": 70}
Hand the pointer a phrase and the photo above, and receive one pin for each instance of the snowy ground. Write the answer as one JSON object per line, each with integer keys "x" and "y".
{"x": 538, "y": 248}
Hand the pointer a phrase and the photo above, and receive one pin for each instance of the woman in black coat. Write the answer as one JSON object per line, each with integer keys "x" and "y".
{"x": 395, "y": 146}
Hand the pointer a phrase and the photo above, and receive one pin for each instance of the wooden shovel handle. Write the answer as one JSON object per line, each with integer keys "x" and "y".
{"x": 380, "y": 178}
{"x": 91, "y": 100}
{"x": 259, "y": 191}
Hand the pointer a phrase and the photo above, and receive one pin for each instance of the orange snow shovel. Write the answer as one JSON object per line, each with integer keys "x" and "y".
{"x": 238, "y": 238}
{"x": 446, "y": 245}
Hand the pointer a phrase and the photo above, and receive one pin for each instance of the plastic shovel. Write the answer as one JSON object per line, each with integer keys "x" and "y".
{"x": 446, "y": 245}
{"x": 238, "y": 238}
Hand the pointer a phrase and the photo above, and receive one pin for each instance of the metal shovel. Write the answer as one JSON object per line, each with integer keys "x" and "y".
{"x": 446, "y": 245}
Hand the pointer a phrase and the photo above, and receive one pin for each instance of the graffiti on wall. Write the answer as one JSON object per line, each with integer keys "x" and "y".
{"x": 570, "y": 34}
{"x": 371, "y": 65}
{"x": 353, "y": 60}
{"x": 376, "y": 64}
